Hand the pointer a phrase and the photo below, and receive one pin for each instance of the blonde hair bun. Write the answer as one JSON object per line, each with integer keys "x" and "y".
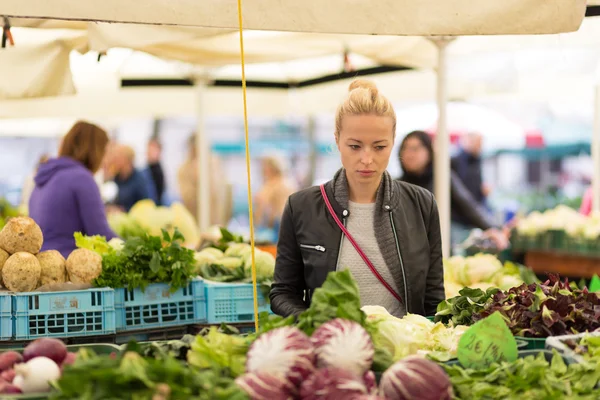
{"x": 364, "y": 84}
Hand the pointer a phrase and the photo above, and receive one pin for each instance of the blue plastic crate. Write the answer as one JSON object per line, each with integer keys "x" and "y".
{"x": 6, "y": 323}
{"x": 64, "y": 314}
{"x": 157, "y": 306}
{"x": 232, "y": 302}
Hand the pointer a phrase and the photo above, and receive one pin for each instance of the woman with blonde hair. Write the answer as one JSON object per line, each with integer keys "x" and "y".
{"x": 66, "y": 198}
{"x": 386, "y": 232}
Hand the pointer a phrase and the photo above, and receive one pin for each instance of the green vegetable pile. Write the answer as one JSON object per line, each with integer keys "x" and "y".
{"x": 460, "y": 309}
{"x": 131, "y": 376}
{"x": 235, "y": 264}
{"x": 588, "y": 347}
{"x": 140, "y": 261}
{"x": 532, "y": 377}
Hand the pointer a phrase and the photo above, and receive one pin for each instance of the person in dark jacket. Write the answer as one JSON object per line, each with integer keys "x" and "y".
{"x": 66, "y": 198}
{"x": 133, "y": 184}
{"x": 395, "y": 224}
{"x": 416, "y": 159}
{"x": 155, "y": 169}
{"x": 467, "y": 165}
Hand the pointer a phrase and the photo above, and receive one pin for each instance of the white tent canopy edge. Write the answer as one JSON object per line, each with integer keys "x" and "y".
{"x": 388, "y": 17}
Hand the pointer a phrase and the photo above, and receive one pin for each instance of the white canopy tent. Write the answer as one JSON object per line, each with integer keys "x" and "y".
{"x": 403, "y": 17}
{"x": 389, "y": 17}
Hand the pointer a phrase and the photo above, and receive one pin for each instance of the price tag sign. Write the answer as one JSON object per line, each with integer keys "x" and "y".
{"x": 486, "y": 342}
{"x": 595, "y": 284}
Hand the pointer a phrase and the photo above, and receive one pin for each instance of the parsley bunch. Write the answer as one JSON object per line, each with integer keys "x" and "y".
{"x": 148, "y": 259}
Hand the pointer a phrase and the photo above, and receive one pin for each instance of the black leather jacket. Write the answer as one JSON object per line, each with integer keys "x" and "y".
{"x": 407, "y": 231}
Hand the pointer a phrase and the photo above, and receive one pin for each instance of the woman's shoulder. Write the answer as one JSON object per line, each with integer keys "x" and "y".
{"x": 305, "y": 196}
{"x": 405, "y": 189}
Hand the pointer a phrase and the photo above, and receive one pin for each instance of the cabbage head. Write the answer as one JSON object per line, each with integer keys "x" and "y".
{"x": 238, "y": 250}
{"x": 265, "y": 265}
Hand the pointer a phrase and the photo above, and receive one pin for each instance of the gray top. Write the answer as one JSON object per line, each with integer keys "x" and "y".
{"x": 360, "y": 224}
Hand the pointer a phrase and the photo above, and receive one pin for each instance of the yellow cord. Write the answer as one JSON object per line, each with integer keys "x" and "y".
{"x": 254, "y": 285}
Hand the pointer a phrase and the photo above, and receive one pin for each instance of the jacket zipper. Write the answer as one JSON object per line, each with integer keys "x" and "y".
{"x": 337, "y": 262}
{"x": 313, "y": 247}
{"x": 401, "y": 262}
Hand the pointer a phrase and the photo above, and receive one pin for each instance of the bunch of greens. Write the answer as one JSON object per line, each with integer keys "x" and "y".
{"x": 220, "y": 352}
{"x": 131, "y": 376}
{"x": 148, "y": 259}
{"x": 460, "y": 309}
{"x": 224, "y": 241}
{"x": 553, "y": 308}
{"x": 532, "y": 377}
{"x": 172, "y": 348}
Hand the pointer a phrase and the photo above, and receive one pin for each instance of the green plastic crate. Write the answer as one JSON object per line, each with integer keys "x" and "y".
{"x": 533, "y": 343}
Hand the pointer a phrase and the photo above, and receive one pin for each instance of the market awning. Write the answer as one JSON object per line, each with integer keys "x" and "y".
{"x": 386, "y": 17}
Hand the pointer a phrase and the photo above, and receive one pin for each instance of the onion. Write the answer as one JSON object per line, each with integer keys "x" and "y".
{"x": 283, "y": 351}
{"x": 53, "y": 349}
{"x": 35, "y": 375}
{"x": 416, "y": 378}
{"x": 332, "y": 384}
{"x": 266, "y": 386}
{"x": 8, "y": 359}
{"x": 344, "y": 344}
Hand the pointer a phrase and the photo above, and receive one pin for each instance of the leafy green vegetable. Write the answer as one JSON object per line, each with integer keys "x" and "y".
{"x": 173, "y": 348}
{"x": 460, "y": 309}
{"x": 587, "y": 346}
{"x": 553, "y": 308}
{"x": 146, "y": 260}
{"x": 95, "y": 243}
{"x": 527, "y": 378}
{"x": 219, "y": 351}
{"x": 130, "y": 376}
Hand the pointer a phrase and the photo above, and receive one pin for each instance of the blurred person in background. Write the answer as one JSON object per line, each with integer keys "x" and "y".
{"x": 416, "y": 160}
{"x": 66, "y": 198}
{"x": 155, "y": 170}
{"x": 220, "y": 189}
{"x": 270, "y": 200}
{"x": 132, "y": 184}
{"x": 29, "y": 184}
{"x": 467, "y": 165}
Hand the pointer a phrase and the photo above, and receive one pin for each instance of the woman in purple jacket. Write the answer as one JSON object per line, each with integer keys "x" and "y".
{"x": 66, "y": 198}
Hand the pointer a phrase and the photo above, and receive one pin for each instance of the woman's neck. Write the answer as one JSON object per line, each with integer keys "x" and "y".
{"x": 363, "y": 193}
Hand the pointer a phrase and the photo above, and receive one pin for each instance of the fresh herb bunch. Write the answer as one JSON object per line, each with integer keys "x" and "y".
{"x": 527, "y": 378}
{"x": 460, "y": 309}
{"x": 148, "y": 259}
{"x": 553, "y": 308}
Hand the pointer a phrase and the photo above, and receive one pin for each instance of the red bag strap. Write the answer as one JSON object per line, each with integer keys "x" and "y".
{"x": 357, "y": 247}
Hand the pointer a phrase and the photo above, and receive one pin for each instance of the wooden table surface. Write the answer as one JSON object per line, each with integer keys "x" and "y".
{"x": 568, "y": 265}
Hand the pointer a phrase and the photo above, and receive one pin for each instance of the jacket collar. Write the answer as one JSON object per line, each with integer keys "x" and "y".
{"x": 338, "y": 187}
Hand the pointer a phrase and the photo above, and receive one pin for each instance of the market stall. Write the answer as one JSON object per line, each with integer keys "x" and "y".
{"x": 469, "y": 350}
